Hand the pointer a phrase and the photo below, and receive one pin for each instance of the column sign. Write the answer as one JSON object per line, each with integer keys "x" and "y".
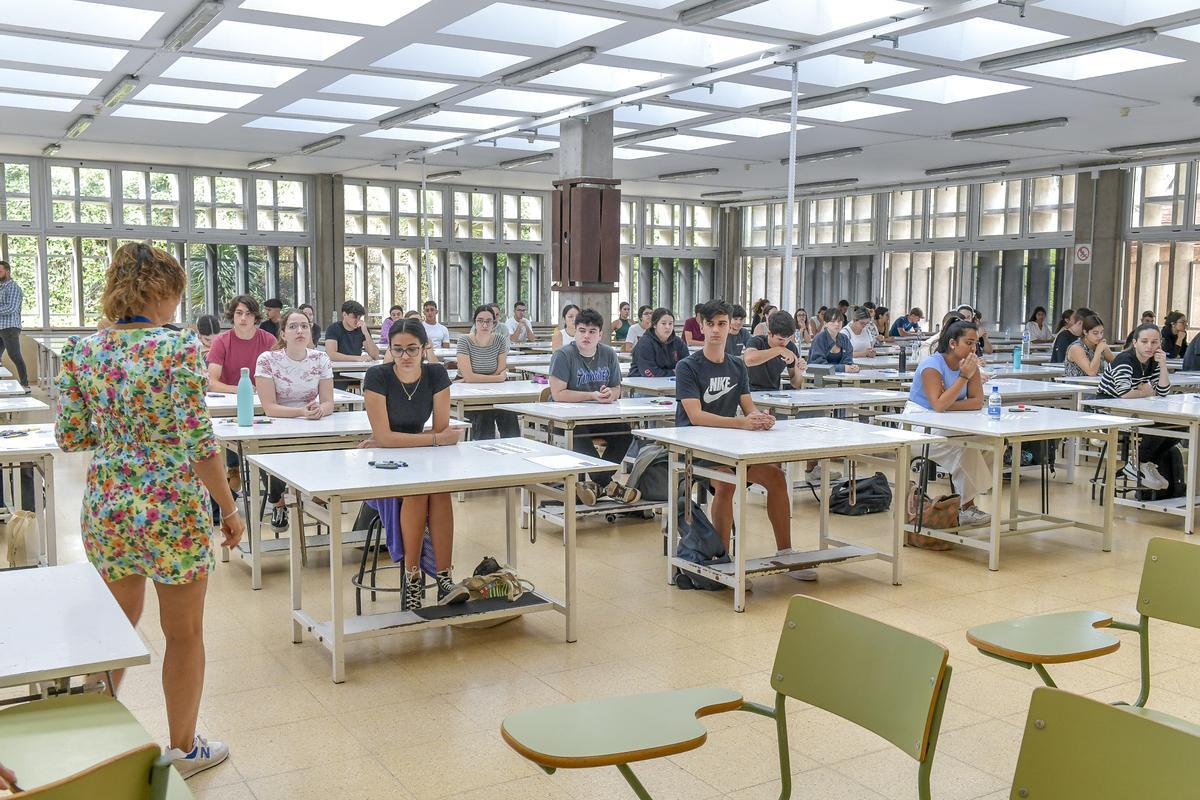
{"x": 1083, "y": 253}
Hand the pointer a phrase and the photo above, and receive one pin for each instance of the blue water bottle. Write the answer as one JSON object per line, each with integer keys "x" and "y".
{"x": 245, "y": 400}
{"x": 1017, "y": 357}
{"x": 994, "y": 403}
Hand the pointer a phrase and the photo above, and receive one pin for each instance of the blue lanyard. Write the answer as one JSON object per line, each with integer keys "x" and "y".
{"x": 128, "y": 320}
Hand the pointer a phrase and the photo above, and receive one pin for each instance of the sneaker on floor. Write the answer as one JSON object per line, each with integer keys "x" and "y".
{"x": 814, "y": 475}
{"x": 234, "y": 476}
{"x": 621, "y": 493}
{"x": 1152, "y": 478}
{"x": 587, "y": 492}
{"x": 26, "y": 390}
{"x": 204, "y": 754}
{"x": 803, "y": 575}
{"x": 973, "y": 515}
{"x": 414, "y": 590}
{"x": 448, "y": 592}
{"x": 279, "y": 518}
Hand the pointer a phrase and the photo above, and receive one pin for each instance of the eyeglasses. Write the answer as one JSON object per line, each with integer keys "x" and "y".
{"x": 412, "y": 351}
{"x": 484, "y": 321}
{"x": 297, "y": 326}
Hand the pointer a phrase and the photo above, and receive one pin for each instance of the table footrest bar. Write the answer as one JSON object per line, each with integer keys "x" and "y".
{"x": 371, "y": 625}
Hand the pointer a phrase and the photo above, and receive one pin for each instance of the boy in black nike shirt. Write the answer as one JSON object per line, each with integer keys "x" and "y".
{"x": 711, "y": 388}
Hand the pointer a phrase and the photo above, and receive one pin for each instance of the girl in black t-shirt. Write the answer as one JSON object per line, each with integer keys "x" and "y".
{"x": 400, "y": 397}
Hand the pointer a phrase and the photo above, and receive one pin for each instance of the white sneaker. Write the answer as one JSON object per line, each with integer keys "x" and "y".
{"x": 1152, "y": 478}
{"x": 814, "y": 475}
{"x": 803, "y": 575}
{"x": 204, "y": 754}
{"x": 973, "y": 515}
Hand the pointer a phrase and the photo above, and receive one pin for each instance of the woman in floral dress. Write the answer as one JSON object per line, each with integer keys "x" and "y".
{"x": 134, "y": 394}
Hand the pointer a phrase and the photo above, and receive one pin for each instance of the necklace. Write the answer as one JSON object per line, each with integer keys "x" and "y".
{"x": 403, "y": 388}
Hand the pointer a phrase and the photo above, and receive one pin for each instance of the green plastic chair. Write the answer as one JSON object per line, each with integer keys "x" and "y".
{"x": 886, "y": 680}
{"x": 84, "y": 747}
{"x": 1167, "y": 593}
{"x": 1076, "y": 748}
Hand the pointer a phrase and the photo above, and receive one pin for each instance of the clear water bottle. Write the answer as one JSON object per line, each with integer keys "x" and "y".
{"x": 245, "y": 400}
{"x": 1025, "y": 339}
{"x": 993, "y": 407}
{"x": 1017, "y": 357}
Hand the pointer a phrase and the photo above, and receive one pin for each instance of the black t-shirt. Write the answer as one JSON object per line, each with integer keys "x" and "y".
{"x": 735, "y": 343}
{"x": 269, "y": 327}
{"x": 349, "y": 343}
{"x": 718, "y": 387}
{"x": 405, "y": 415}
{"x": 1061, "y": 343}
{"x": 765, "y": 377}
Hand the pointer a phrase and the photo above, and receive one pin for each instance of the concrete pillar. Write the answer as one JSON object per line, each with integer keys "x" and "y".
{"x": 326, "y": 284}
{"x": 1010, "y": 311}
{"x": 1099, "y": 210}
{"x": 730, "y": 280}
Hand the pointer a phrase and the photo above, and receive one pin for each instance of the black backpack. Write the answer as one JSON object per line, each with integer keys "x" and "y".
{"x": 871, "y": 496}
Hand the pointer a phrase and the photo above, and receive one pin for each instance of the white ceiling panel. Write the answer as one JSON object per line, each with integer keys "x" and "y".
{"x": 191, "y": 116}
{"x": 544, "y": 27}
{"x": 275, "y": 40}
{"x": 850, "y": 111}
{"x": 523, "y": 101}
{"x": 750, "y": 126}
{"x": 819, "y": 17}
{"x": 37, "y": 102}
{"x": 297, "y": 125}
{"x": 60, "y": 54}
{"x": 1120, "y": 12}
{"x": 238, "y": 73}
{"x": 464, "y": 120}
{"x": 361, "y": 12}
{"x": 336, "y": 108}
{"x": 1095, "y": 65}
{"x": 951, "y": 89}
{"x": 731, "y": 95}
{"x": 648, "y": 114}
{"x": 837, "y": 70}
{"x": 974, "y": 38}
{"x": 47, "y": 81}
{"x": 693, "y": 48}
{"x": 601, "y": 78}
{"x": 190, "y": 96}
{"x": 73, "y": 16}
{"x": 383, "y": 86}
{"x": 439, "y": 59}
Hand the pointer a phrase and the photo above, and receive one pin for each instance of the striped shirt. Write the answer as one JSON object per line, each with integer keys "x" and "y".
{"x": 1125, "y": 373}
{"x": 485, "y": 360}
{"x": 10, "y": 304}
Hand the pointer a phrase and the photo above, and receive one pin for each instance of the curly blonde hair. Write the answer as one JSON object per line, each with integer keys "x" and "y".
{"x": 138, "y": 276}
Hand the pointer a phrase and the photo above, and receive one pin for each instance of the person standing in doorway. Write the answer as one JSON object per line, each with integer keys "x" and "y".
{"x": 11, "y": 299}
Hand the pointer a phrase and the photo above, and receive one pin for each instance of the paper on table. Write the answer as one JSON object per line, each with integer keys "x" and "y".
{"x": 502, "y": 447}
{"x": 558, "y": 461}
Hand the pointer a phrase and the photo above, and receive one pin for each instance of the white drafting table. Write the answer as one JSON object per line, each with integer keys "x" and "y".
{"x": 543, "y": 370}
{"x": 1175, "y": 416}
{"x": 467, "y": 397}
{"x": 792, "y": 401}
{"x": 1056, "y": 394}
{"x": 61, "y": 622}
{"x": 1037, "y": 372}
{"x": 225, "y": 405}
{"x": 662, "y": 387}
{"x": 1026, "y": 358}
{"x": 877, "y": 362}
{"x": 976, "y": 429}
{"x": 20, "y": 405}
{"x": 876, "y": 378}
{"x": 516, "y": 360}
{"x": 334, "y": 477}
{"x": 340, "y": 367}
{"x": 11, "y": 389}
{"x": 790, "y": 440}
{"x": 34, "y": 446}
{"x": 1179, "y": 381}
{"x": 286, "y": 435}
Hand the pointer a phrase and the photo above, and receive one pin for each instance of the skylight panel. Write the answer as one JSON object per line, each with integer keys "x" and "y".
{"x": 272, "y": 40}
{"x": 1120, "y": 12}
{"x": 819, "y": 17}
{"x": 464, "y": 120}
{"x": 336, "y": 108}
{"x": 299, "y": 125}
{"x": 649, "y": 114}
{"x": 1191, "y": 33}
{"x": 517, "y": 143}
{"x": 523, "y": 101}
{"x": 411, "y": 135}
{"x": 631, "y": 153}
{"x": 189, "y": 96}
{"x": 37, "y": 102}
{"x": 381, "y": 86}
{"x": 1093, "y": 65}
{"x": 850, "y": 111}
{"x": 60, "y": 54}
{"x": 683, "y": 141}
{"x": 601, "y": 78}
{"x": 362, "y": 12}
{"x": 749, "y": 126}
{"x": 974, "y": 38}
{"x": 545, "y": 27}
{"x": 73, "y": 16}
{"x": 163, "y": 114}
{"x": 658, "y": 5}
{"x": 835, "y": 70}
{"x": 448, "y": 60}
{"x": 696, "y": 49}
{"x": 239, "y": 73}
{"x": 47, "y": 81}
{"x": 951, "y": 89}
{"x": 731, "y": 95}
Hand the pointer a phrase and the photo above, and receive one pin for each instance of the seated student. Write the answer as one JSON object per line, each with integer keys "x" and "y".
{"x": 929, "y": 345}
{"x": 208, "y": 328}
{"x": 767, "y": 356}
{"x": 620, "y": 326}
{"x": 345, "y": 340}
{"x": 437, "y": 334}
{"x": 984, "y": 345}
{"x": 638, "y": 329}
{"x": 691, "y": 329}
{"x": 395, "y": 314}
{"x": 400, "y": 397}
{"x": 949, "y": 380}
{"x": 832, "y": 345}
{"x": 587, "y": 371}
{"x": 862, "y": 341}
{"x": 274, "y": 310}
{"x": 517, "y": 326}
{"x": 1090, "y": 352}
{"x": 1067, "y": 336}
{"x": 803, "y": 334}
{"x": 908, "y": 325}
{"x": 564, "y": 334}
{"x": 711, "y": 388}
{"x": 293, "y": 380}
{"x": 1174, "y": 334}
{"x": 761, "y": 328}
{"x": 307, "y": 310}
{"x": 1148, "y": 318}
{"x": 239, "y": 347}
{"x": 739, "y": 334}
{"x": 882, "y": 323}
{"x": 655, "y": 355}
{"x": 482, "y": 358}
{"x": 1191, "y": 358}
{"x": 1039, "y": 330}
{"x": 1141, "y": 371}
{"x": 871, "y": 327}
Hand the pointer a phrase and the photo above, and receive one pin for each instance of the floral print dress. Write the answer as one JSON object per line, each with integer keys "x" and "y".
{"x": 136, "y": 397}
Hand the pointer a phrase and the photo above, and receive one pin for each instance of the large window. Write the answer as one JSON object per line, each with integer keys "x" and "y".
{"x": 906, "y": 215}
{"x": 858, "y": 218}
{"x": 754, "y": 221}
{"x": 16, "y": 196}
{"x": 822, "y": 220}
{"x": 662, "y": 224}
{"x": 21, "y": 253}
{"x": 80, "y": 195}
{"x": 1000, "y": 208}
{"x": 779, "y": 223}
{"x": 1158, "y": 194}
{"x": 280, "y": 205}
{"x": 1052, "y": 204}
{"x": 149, "y": 198}
{"x": 523, "y": 218}
{"x": 701, "y": 226}
{"x": 219, "y": 202}
{"x": 368, "y": 209}
{"x": 948, "y": 212}
{"x": 628, "y": 222}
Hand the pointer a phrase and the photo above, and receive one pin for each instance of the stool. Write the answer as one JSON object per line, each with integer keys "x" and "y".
{"x": 365, "y": 578}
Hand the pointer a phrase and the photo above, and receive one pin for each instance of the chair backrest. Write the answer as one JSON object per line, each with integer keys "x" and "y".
{"x": 129, "y": 776}
{"x": 544, "y": 396}
{"x": 1076, "y": 748}
{"x": 882, "y": 678}
{"x": 1168, "y": 589}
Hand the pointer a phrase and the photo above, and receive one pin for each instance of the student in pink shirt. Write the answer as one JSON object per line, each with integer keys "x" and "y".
{"x": 238, "y": 347}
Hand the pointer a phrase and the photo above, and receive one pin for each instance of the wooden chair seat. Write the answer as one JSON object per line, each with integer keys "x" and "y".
{"x": 1047, "y": 638}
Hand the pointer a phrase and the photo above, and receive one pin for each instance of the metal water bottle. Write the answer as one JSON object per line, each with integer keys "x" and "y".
{"x": 245, "y": 400}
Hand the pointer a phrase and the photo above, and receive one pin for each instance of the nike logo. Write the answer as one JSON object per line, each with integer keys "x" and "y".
{"x": 717, "y": 388}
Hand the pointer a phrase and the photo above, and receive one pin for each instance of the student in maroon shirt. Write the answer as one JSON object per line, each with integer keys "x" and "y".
{"x": 238, "y": 347}
{"x": 691, "y": 329}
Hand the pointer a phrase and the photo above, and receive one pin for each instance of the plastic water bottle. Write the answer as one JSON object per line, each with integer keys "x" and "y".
{"x": 994, "y": 403}
{"x": 1017, "y": 357}
{"x": 1025, "y": 339}
{"x": 245, "y": 400}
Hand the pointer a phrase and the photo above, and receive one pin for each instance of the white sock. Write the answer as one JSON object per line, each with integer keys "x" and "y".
{"x": 787, "y": 551}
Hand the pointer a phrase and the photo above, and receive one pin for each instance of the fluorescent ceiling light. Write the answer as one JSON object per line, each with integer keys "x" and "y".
{"x": 951, "y": 89}
{"x": 262, "y": 163}
{"x": 408, "y": 116}
{"x": 526, "y": 161}
{"x": 411, "y": 135}
{"x": 336, "y": 108}
{"x": 601, "y": 78}
{"x": 836, "y": 70}
{"x": 1100, "y": 44}
{"x": 60, "y": 54}
{"x": 441, "y": 60}
{"x": 323, "y": 144}
{"x": 719, "y": 195}
{"x": 38, "y": 102}
{"x": 730, "y": 95}
{"x": 1095, "y": 65}
{"x": 80, "y": 125}
{"x": 1005, "y": 130}
{"x": 688, "y": 173}
{"x": 632, "y": 154}
{"x": 360, "y": 12}
{"x": 686, "y": 142}
{"x": 273, "y": 40}
{"x": 549, "y": 66}
{"x": 851, "y": 111}
{"x": 72, "y": 16}
{"x": 974, "y": 38}
{"x": 466, "y": 121}
{"x": 693, "y": 48}
{"x": 644, "y": 136}
{"x": 750, "y": 126}
{"x": 817, "y": 100}
{"x": 192, "y": 25}
{"x": 120, "y": 91}
{"x": 711, "y": 10}
{"x": 829, "y": 184}
{"x": 957, "y": 168}
{"x": 241, "y": 73}
{"x": 51, "y": 149}
{"x": 298, "y": 125}
{"x": 824, "y": 155}
{"x": 1119, "y": 12}
{"x": 1134, "y": 149}
{"x": 434, "y": 177}
{"x": 191, "y": 96}
{"x": 391, "y": 88}
{"x": 47, "y": 81}
{"x": 163, "y": 114}
{"x": 544, "y": 27}
{"x": 517, "y": 143}
{"x": 523, "y": 101}
{"x": 820, "y": 17}
{"x": 649, "y": 114}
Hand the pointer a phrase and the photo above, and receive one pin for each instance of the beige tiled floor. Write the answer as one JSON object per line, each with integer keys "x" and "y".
{"x": 419, "y": 715}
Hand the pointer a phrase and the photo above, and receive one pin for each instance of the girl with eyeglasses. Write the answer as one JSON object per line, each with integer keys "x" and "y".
{"x": 482, "y": 358}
